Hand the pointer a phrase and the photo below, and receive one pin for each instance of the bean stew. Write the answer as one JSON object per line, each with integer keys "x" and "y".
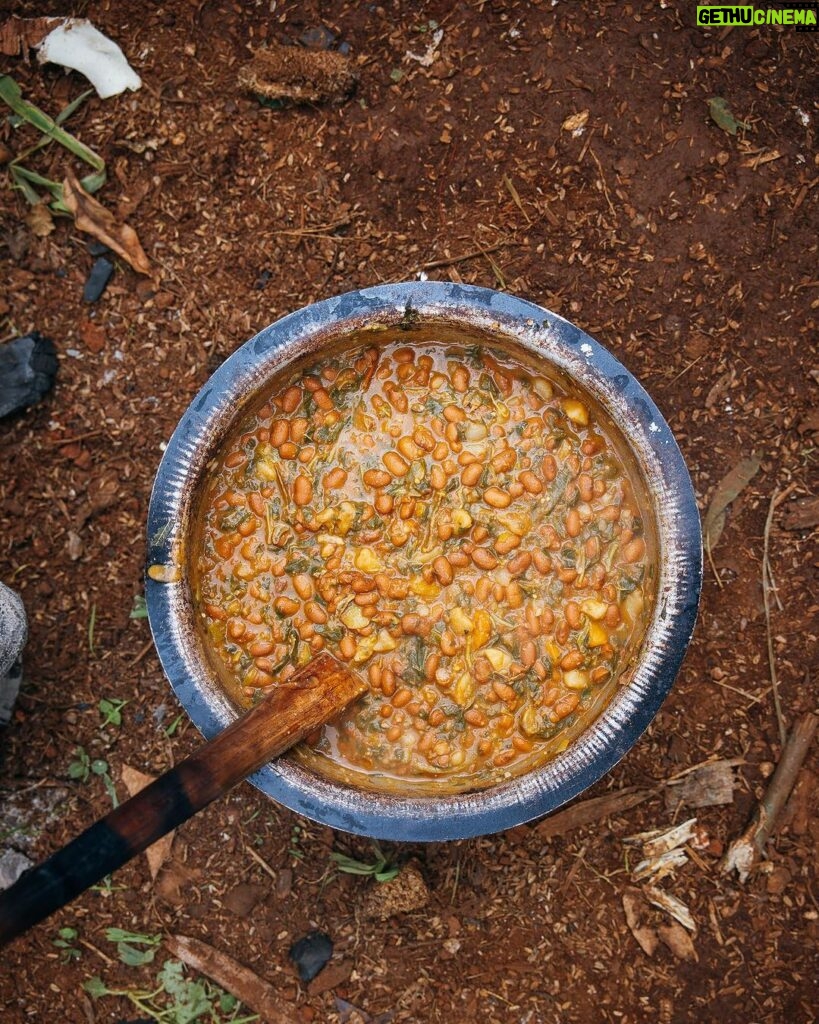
{"x": 464, "y": 530}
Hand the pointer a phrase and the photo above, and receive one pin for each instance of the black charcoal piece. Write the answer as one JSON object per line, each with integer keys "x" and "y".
{"x": 98, "y": 279}
{"x": 311, "y": 953}
{"x": 28, "y": 366}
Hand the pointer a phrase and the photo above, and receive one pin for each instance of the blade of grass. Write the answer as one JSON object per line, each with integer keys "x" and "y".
{"x": 11, "y": 95}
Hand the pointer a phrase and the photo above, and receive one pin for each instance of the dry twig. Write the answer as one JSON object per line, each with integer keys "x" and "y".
{"x": 768, "y": 587}
{"x": 743, "y": 853}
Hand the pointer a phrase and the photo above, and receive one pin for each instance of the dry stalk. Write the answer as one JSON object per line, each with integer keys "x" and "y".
{"x": 768, "y": 587}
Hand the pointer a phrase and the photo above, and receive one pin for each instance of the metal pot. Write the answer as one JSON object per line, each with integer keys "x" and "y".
{"x": 419, "y": 310}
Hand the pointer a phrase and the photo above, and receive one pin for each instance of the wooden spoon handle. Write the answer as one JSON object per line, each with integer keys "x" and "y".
{"x": 288, "y": 713}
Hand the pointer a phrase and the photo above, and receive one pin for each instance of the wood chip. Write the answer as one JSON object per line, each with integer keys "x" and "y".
{"x": 801, "y": 514}
{"x": 671, "y": 905}
{"x": 711, "y": 785}
{"x": 589, "y": 811}
{"x": 230, "y": 975}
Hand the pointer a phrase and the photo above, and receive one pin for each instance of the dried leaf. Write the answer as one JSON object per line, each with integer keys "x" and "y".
{"x": 635, "y": 908}
{"x": 92, "y": 217}
{"x": 135, "y": 780}
{"x": 721, "y": 114}
{"x": 678, "y": 941}
{"x": 40, "y": 221}
{"x": 576, "y": 122}
{"x": 765, "y": 157}
{"x": 726, "y": 491}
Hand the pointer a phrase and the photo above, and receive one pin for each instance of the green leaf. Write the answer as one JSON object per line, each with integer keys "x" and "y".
{"x": 138, "y": 938}
{"x": 396, "y": 75}
{"x": 95, "y": 987}
{"x": 67, "y": 933}
{"x": 99, "y": 767}
{"x": 133, "y": 957}
{"x": 720, "y": 113}
{"x": 111, "y": 711}
{"x": 140, "y": 608}
{"x": 11, "y": 95}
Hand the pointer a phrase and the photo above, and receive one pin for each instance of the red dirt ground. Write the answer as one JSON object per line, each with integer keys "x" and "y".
{"x": 689, "y": 252}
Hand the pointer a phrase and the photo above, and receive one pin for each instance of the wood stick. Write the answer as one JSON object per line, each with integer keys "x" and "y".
{"x": 256, "y": 993}
{"x": 588, "y": 811}
{"x": 743, "y": 853}
{"x": 288, "y": 713}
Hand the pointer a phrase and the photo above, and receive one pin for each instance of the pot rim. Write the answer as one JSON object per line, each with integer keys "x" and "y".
{"x": 679, "y": 544}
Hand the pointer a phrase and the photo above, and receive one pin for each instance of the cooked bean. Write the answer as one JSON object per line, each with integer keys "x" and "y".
{"x": 470, "y": 475}
{"x": 303, "y": 585}
{"x": 634, "y": 550}
{"x": 519, "y": 563}
{"x": 452, "y": 414}
{"x": 506, "y": 542}
{"x": 315, "y": 613}
{"x": 574, "y": 524}
{"x": 528, "y": 654}
{"x": 574, "y": 659}
{"x": 395, "y": 464}
{"x": 291, "y": 400}
{"x": 376, "y": 478}
{"x": 543, "y": 563}
{"x": 335, "y": 478}
{"x": 531, "y": 482}
{"x": 504, "y": 460}
{"x": 285, "y": 606}
{"x": 573, "y": 614}
{"x": 443, "y": 570}
{"x": 288, "y": 450}
{"x": 504, "y": 691}
{"x": 279, "y": 433}
{"x": 408, "y": 448}
{"x": 402, "y": 697}
{"x": 514, "y": 595}
{"x": 347, "y": 647}
{"x": 423, "y": 438}
{"x": 302, "y": 490}
{"x": 497, "y": 498}
{"x": 484, "y": 559}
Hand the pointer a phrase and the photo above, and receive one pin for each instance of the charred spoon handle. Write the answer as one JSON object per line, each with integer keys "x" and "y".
{"x": 289, "y": 712}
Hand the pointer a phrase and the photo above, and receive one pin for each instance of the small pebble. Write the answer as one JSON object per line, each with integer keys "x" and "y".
{"x": 311, "y": 953}
{"x": 98, "y": 279}
{"x": 320, "y": 38}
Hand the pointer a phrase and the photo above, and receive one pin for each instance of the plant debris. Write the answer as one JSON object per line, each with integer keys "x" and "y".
{"x": 726, "y": 492}
{"x": 721, "y": 114}
{"x": 92, "y": 217}
{"x": 303, "y": 76}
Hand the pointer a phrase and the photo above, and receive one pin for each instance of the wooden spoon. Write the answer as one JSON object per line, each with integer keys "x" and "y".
{"x": 288, "y": 713}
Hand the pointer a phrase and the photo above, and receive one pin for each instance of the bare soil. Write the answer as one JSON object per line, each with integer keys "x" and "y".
{"x": 690, "y": 252}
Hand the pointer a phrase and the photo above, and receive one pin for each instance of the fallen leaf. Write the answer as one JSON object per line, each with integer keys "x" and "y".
{"x": 636, "y": 909}
{"x": 678, "y": 941}
{"x": 801, "y": 514}
{"x": 92, "y": 217}
{"x": 720, "y": 113}
{"x": 726, "y": 491}
{"x": 40, "y": 221}
{"x": 135, "y": 780}
{"x": 575, "y": 122}
{"x": 232, "y": 976}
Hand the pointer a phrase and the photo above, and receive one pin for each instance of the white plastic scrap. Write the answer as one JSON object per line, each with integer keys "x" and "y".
{"x": 76, "y": 44}
{"x": 427, "y": 59}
